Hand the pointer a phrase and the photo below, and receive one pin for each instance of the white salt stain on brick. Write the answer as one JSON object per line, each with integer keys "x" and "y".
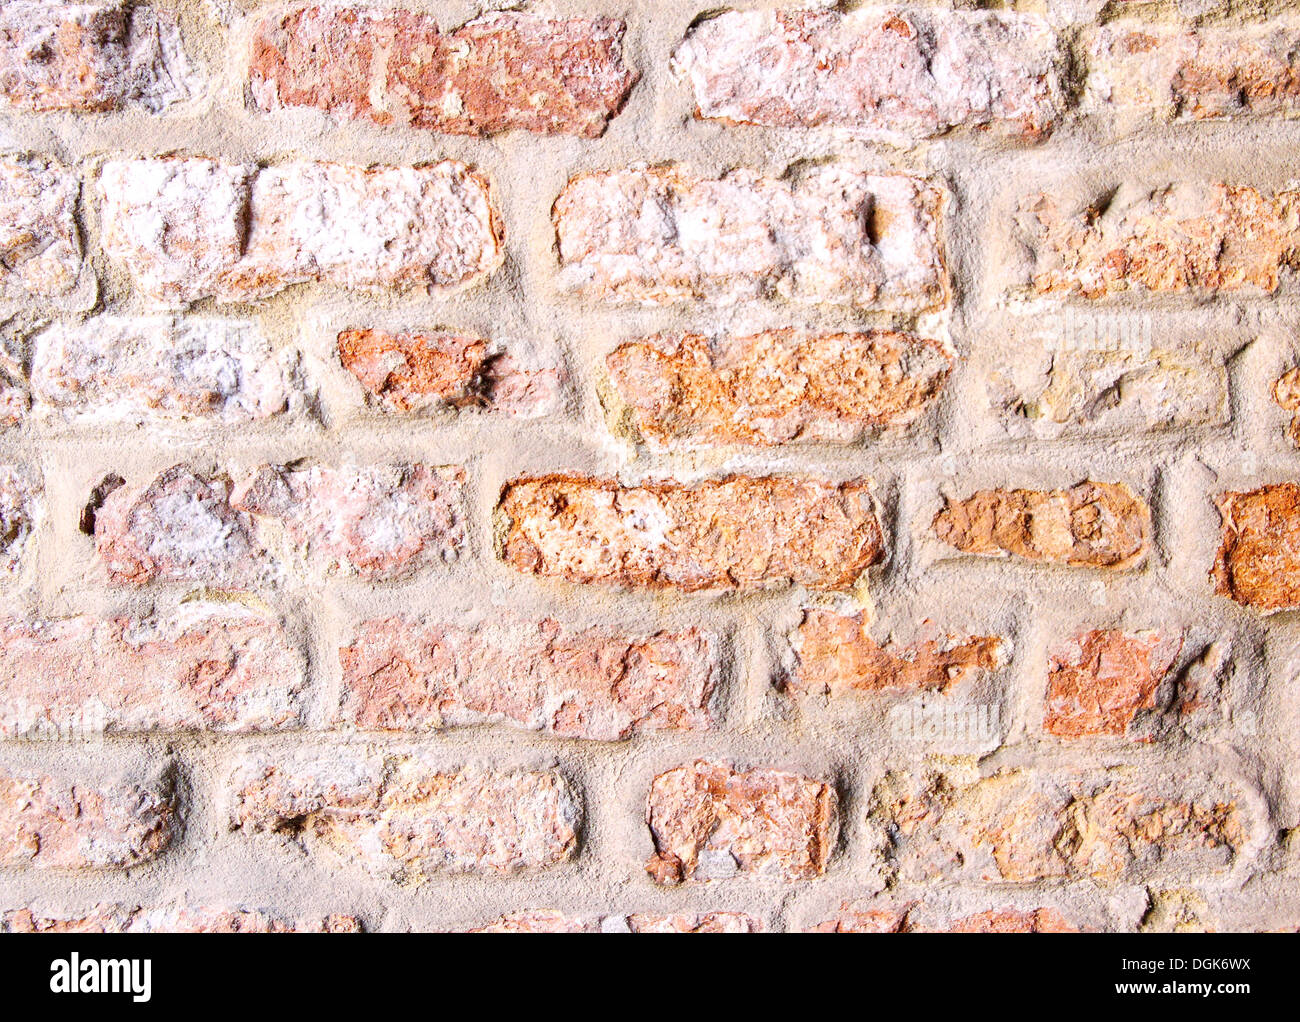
{"x": 187, "y": 229}
{"x": 117, "y": 369}
{"x": 175, "y": 223}
{"x": 896, "y": 75}
{"x": 40, "y": 253}
{"x": 657, "y": 235}
{"x": 179, "y": 527}
{"x": 90, "y": 57}
{"x": 379, "y": 521}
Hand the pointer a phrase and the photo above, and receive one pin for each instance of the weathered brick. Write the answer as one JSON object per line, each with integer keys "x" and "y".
{"x": 108, "y": 918}
{"x": 1010, "y": 920}
{"x": 551, "y": 921}
{"x": 100, "y": 919}
{"x": 209, "y": 668}
{"x": 179, "y": 527}
{"x": 895, "y": 75}
{"x": 836, "y": 656}
{"x": 409, "y": 370}
{"x": 823, "y": 233}
{"x": 1100, "y": 525}
{"x": 1202, "y": 238}
{"x": 60, "y": 823}
{"x": 1185, "y": 910}
{"x": 502, "y": 71}
{"x": 399, "y": 674}
{"x": 710, "y": 821}
{"x": 187, "y": 229}
{"x": 904, "y": 919}
{"x": 419, "y": 371}
{"x": 89, "y": 57}
{"x": 208, "y": 919}
{"x": 14, "y": 402}
{"x": 1196, "y": 74}
{"x": 38, "y": 235}
{"x": 686, "y": 922}
{"x": 1258, "y": 564}
{"x": 1096, "y": 390}
{"x": 19, "y": 506}
{"x": 406, "y": 818}
{"x": 118, "y": 369}
{"x": 775, "y": 387}
{"x": 1033, "y": 825}
{"x": 1099, "y": 681}
{"x": 734, "y": 533}
{"x": 379, "y": 521}
{"x": 1286, "y": 392}
{"x": 853, "y": 918}
{"x": 536, "y": 921}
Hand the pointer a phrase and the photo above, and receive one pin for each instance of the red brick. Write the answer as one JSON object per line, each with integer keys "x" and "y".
{"x": 89, "y": 57}
{"x": 837, "y": 656}
{"x": 735, "y": 533}
{"x": 187, "y": 229}
{"x": 409, "y": 370}
{"x": 1202, "y": 238}
{"x": 379, "y": 521}
{"x": 398, "y": 674}
{"x": 208, "y": 668}
{"x": 406, "y": 818}
{"x": 1258, "y": 563}
{"x": 1196, "y": 74}
{"x": 119, "y": 369}
{"x": 1033, "y": 825}
{"x": 828, "y": 233}
{"x": 502, "y": 71}
{"x": 60, "y": 823}
{"x": 710, "y": 821}
{"x": 1099, "y": 525}
{"x": 38, "y": 233}
{"x": 1099, "y": 681}
{"x": 415, "y": 372}
{"x": 893, "y": 75}
{"x": 775, "y": 387}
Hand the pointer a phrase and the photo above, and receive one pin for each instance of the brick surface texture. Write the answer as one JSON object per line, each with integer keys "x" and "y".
{"x": 609, "y": 466}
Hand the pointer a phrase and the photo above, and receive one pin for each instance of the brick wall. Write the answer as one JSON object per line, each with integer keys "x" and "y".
{"x": 597, "y": 466}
